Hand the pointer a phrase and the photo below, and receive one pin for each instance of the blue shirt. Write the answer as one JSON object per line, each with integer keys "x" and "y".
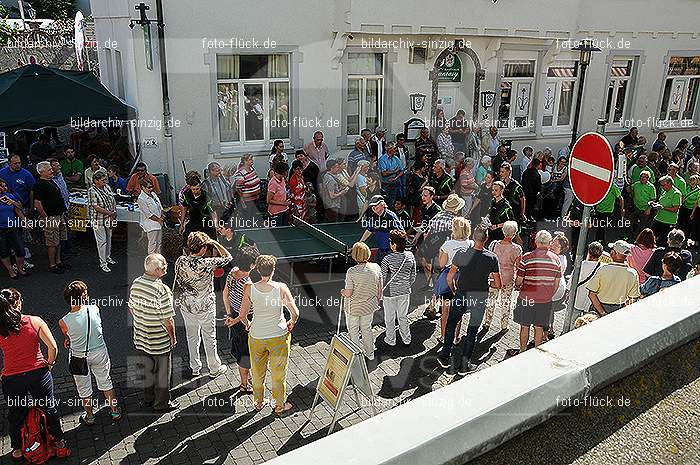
{"x": 8, "y": 217}
{"x": 60, "y": 181}
{"x": 120, "y": 183}
{"x": 387, "y": 163}
{"x": 19, "y": 182}
{"x": 382, "y": 225}
{"x": 354, "y": 158}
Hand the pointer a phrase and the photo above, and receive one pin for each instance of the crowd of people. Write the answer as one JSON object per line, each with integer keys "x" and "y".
{"x": 461, "y": 221}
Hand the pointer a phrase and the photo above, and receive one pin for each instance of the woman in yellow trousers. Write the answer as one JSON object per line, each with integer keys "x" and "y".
{"x": 269, "y": 334}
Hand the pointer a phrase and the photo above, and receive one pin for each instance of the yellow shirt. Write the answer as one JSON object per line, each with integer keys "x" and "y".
{"x": 615, "y": 283}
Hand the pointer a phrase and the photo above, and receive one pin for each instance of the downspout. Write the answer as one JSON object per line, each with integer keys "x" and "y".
{"x": 167, "y": 117}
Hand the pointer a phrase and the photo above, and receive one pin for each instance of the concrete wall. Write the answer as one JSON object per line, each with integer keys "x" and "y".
{"x": 476, "y": 414}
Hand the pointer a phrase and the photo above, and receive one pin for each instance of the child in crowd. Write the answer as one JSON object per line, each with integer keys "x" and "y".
{"x": 237, "y": 278}
{"x": 402, "y": 212}
{"x": 672, "y": 262}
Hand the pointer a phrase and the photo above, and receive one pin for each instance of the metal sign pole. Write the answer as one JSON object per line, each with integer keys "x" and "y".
{"x": 582, "y": 235}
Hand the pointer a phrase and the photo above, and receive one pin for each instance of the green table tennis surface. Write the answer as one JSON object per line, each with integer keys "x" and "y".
{"x": 295, "y": 244}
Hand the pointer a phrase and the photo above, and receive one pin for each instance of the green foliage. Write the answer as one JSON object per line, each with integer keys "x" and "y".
{"x": 6, "y": 31}
{"x": 54, "y": 9}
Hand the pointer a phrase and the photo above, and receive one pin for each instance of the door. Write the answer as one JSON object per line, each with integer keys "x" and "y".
{"x": 447, "y": 99}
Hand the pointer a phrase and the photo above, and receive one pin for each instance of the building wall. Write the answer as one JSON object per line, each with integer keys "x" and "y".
{"x": 317, "y": 37}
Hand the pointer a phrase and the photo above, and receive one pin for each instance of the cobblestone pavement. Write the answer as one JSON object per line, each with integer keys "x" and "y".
{"x": 214, "y": 426}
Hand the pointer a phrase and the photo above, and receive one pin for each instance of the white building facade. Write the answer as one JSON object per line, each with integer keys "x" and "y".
{"x": 242, "y": 74}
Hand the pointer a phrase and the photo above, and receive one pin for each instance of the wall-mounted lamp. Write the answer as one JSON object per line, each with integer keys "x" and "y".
{"x": 417, "y": 102}
{"x": 145, "y": 23}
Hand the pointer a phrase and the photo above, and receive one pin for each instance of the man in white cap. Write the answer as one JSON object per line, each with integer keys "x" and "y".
{"x": 616, "y": 284}
{"x": 380, "y": 221}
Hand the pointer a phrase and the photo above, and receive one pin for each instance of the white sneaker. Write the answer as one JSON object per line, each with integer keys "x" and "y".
{"x": 28, "y": 265}
{"x": 105, "y": 268}
{"x": 110, "y": 261}
{"x": 222, "y": 369}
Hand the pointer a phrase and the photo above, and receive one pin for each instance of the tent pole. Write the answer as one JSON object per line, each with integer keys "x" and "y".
{"x": 167, "y": 117}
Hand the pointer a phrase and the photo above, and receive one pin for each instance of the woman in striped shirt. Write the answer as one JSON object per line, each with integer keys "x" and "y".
{"x": 399, "y": 274}
{"x": 247, "y": 185}
{"x": 236, "y": 281}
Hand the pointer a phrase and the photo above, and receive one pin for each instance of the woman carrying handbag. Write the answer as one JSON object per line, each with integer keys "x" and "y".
{"x": 82, "y": 328}
{"x": 399, "y": 273}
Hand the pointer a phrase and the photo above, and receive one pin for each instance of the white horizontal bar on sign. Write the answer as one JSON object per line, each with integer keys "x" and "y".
{"x": 590, "y": 169}
{"x": 476, "y": 414}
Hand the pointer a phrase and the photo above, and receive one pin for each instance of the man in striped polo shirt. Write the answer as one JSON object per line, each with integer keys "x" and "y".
{"x": 537, "y": 278}
{"x": 151, "y": 307}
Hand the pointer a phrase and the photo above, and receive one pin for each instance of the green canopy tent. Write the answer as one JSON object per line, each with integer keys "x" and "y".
{"x": 34, "y": 97}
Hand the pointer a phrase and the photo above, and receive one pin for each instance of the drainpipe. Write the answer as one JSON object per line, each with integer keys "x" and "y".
{"x": 167, "y": 116}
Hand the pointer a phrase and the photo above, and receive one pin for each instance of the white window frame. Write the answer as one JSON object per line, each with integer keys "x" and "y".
{"x": 685, "y": 82}
{"x": 363, "y": 79}
{"x": 510, "y": 128}
{"x": 558, "y": 82}
{"x": 617, "y": 81}
{"x": 266, "y": 142}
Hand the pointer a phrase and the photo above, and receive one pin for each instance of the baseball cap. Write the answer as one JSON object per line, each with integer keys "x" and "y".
{"x": 621, "y": 247}
{"x": 376, "y": 200}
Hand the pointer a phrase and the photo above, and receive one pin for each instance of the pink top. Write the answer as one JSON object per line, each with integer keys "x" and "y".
{"x": 465, "y": 181}
{"x": 507, "y": 255}
{"x": 22, "y": 352}
{"x": 317, "y": 154}
{"x": 638, "y": 258}
{"x": 279, "y": 191}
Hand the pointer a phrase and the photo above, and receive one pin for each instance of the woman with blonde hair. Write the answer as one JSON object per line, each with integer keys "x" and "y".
{"x": 362, "y": 292}
{"x": 461, "y": 231}
{"x": 270, "y": 333}
{"x": 508, "y": 255}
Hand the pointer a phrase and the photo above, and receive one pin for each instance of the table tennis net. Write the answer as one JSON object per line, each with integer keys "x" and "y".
{"x": 327, "y": 239}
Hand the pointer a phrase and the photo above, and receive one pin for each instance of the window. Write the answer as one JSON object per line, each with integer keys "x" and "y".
{"x": 417, "y": 55}
{"x": 680, "y": 98}
{"x": 253, "y": 98}
{"x": 365, "y": 92}
{"x": 516, "y": 88}
{"x": 120, "y": 74}
{"x": 110, "y": 70}
{"x": 559, "y": 95}
{"x": 618, "y": 90}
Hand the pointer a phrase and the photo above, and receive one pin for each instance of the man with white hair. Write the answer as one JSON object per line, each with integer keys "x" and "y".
{"x": 51, "y": 207}
{"x": 153, "y": 314}
{"x": 537, "y": 278}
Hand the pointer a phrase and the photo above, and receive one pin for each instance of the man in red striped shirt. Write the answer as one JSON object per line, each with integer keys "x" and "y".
{"x": 537, "y": 278}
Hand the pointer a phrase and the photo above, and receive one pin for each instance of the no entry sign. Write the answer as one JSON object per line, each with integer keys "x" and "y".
{"x": 591, "y": 168}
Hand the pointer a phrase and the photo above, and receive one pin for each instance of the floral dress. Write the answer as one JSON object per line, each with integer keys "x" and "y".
{"x": 297, "y": 189}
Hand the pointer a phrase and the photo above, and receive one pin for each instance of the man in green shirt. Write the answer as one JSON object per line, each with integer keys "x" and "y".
{"x": 604, "y": 210}
{"x": 643, "y": 192}
{"x": 667, "y": 209}
{"x": 636, "y": 170}
{"x": 678, "y": 181}
{"x": 72, "y": 169}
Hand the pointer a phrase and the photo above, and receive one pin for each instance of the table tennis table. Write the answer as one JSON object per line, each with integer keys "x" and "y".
{"x": 304, "y": 242}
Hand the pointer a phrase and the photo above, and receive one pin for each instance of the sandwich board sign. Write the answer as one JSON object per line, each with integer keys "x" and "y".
{"x": 345, "y": 366}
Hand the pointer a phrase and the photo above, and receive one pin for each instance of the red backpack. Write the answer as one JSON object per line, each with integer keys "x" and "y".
{"x": 37, "y": 442}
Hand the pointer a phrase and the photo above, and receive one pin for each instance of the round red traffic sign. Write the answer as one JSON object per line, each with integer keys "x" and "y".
{"x": 591, "y": 168}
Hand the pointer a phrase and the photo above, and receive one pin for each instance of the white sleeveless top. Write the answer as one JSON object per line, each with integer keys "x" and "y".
{"x": 268, "y": 319}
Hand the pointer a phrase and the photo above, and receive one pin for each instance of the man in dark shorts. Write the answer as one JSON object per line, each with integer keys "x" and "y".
{"x": 233, "y": 297}
{"x": 537, "y": 278}
{"x": 478, "y": 269}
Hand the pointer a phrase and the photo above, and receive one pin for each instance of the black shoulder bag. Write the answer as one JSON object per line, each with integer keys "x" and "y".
{"x": 78, "y": 365}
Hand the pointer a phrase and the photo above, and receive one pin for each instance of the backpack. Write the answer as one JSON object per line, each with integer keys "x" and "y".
{"x": 37, "y": 442}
